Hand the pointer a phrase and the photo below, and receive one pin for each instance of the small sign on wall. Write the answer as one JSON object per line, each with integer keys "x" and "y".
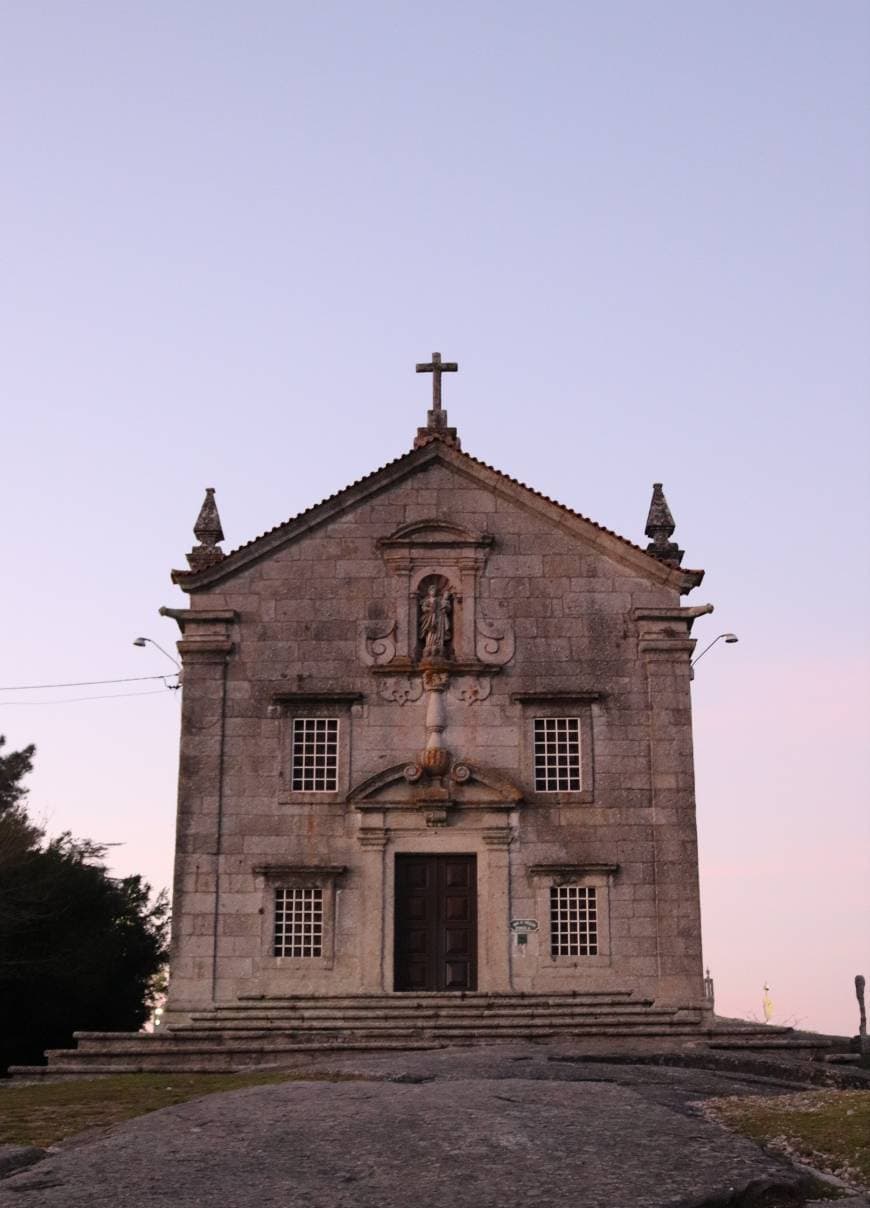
{"x": 524, "y": 925}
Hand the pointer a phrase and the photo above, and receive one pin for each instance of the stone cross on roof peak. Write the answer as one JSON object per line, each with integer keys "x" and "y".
{"x": 436, "y": 419}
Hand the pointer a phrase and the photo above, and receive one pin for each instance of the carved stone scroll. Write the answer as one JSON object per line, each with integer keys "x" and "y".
{"x": 495, "y": 642}
{"x": 376, "y": 643}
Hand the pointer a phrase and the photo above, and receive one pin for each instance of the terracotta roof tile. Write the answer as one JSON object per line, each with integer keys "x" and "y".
{"x": 314, "y": 506}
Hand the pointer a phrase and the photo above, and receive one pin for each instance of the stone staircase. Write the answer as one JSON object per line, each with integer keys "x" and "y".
{"x": 271, "y": 1031}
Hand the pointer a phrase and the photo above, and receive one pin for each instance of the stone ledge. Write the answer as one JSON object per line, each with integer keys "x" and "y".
{"x": 405, "y": 666}
{"x": 568, "y": 698}
{"x": 317, "y": 698}
{"x": 186, "y": 616}
{"x": 299, "y": 870}
{"x": 562, "y": 870}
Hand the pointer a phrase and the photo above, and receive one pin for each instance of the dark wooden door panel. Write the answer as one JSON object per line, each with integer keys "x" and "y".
{"x": 456, "y": 873}
{"x": 436, "y": 922}
{"x": 456, "y": 975}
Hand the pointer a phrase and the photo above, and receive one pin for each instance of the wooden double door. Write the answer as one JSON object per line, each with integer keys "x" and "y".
{"x": 436, "y": 922}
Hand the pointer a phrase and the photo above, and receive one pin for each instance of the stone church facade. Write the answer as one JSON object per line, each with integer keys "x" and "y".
{"x": 436, "y": 736}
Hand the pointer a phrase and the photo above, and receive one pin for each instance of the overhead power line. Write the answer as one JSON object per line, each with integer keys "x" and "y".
{"x": 71, "y": 700}
{"x": 130, "y": 679}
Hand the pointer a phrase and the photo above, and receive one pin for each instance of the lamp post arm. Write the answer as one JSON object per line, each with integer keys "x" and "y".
{"x": 166, "y": 652}
{"x": 706, "y": 648}
{"x": 729, "y": 637}
{"x": 151, "y": 642}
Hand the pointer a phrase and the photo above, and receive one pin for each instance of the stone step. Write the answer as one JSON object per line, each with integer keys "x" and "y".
{"x": 69, "y": 1063}
{"x": 304, "y": 1018}
{"x": 135, "y": 1047}
{"x": 762, "y": 1044}
{"x": 220, "y": 1059}
{"x": 402, "y": 1002}
{"x": 246, "y": 1002}
{"x": 120, "y": 1043}
{"x": 91, "y": 1070}
{"x": 435, "y": 1025}
{"x": 393, "y": 1009}
{"x": 355, "y": 995}
{"x": 386, "y": 1026}
{"x": 115, "y": 1052}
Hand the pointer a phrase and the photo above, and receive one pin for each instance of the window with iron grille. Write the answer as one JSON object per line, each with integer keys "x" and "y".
{"x": 315, "y": 755}
{"x": 298, "y": 922}
{"x": 557, "y": 754}
{"x": 573, "y": 920}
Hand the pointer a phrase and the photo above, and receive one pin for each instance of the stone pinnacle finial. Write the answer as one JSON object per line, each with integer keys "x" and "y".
{"x": 659, "y": 528}
{"x": 436, "y": 419}
{"x": 209, "y": 533}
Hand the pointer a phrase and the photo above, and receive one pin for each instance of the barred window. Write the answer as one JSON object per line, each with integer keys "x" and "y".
{"x": 298, "y": 922}
{"x": 573, "y": 921}
{"x": 315, "y": 754}
{"x": 557, "y": 754}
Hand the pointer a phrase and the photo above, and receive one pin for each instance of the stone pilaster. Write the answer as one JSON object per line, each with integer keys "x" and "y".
{"x": 373, "y": 836}
{"x": 666, "y": 648}
{"x": 205, "y": 648}
{"x": 495, "y": 941}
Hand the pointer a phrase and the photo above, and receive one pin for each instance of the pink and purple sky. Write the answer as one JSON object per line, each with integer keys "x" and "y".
{"x": 229, "y": 231}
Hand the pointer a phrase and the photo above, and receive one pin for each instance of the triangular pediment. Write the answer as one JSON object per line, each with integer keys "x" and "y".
{"x": 473, "y": 472}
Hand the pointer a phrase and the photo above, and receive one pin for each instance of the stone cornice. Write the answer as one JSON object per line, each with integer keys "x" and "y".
{"x": 665, "y": 631}
{"x": 206, "y": 632}
{"x": 324, "y": 871}
{"x": 207, "y": 645}
{"x": 556, "y": 698}
{"x": 664, "y": 616}
{"x": 401, "y": 666}
{"x": 317, "y": 698}
{"x": 666, "y": 645}
{"x": 373, "y": 836}
{"x": 567, "y": 870}
{"x": 498, "y": 836}
{"x": 189, "y": 616}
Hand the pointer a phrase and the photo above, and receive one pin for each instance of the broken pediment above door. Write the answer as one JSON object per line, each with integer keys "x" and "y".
{"x": 436, "y": 789}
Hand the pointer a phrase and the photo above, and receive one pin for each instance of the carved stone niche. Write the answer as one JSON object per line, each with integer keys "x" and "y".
{"x": 441, "y": 560}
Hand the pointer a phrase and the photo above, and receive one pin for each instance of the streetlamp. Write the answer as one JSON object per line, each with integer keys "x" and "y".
{"x": 729, "y": 639}
{"x": 142, "y": 642}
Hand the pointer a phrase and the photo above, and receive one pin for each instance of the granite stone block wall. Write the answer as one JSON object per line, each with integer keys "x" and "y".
{"x": 598, "y": 633}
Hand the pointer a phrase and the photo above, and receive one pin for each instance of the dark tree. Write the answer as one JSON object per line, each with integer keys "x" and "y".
{"x": 79, "y": 950}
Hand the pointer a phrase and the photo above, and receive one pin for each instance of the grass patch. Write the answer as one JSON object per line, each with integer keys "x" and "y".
{"x": 827, "y": 1129}
{"x": 43, "y": 1114}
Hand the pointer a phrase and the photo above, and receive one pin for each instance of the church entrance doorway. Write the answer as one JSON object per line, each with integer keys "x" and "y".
{"x": 436, "y": 922}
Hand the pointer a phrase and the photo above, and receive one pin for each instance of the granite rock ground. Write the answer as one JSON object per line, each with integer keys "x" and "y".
{"x": 504, "y": 1126}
